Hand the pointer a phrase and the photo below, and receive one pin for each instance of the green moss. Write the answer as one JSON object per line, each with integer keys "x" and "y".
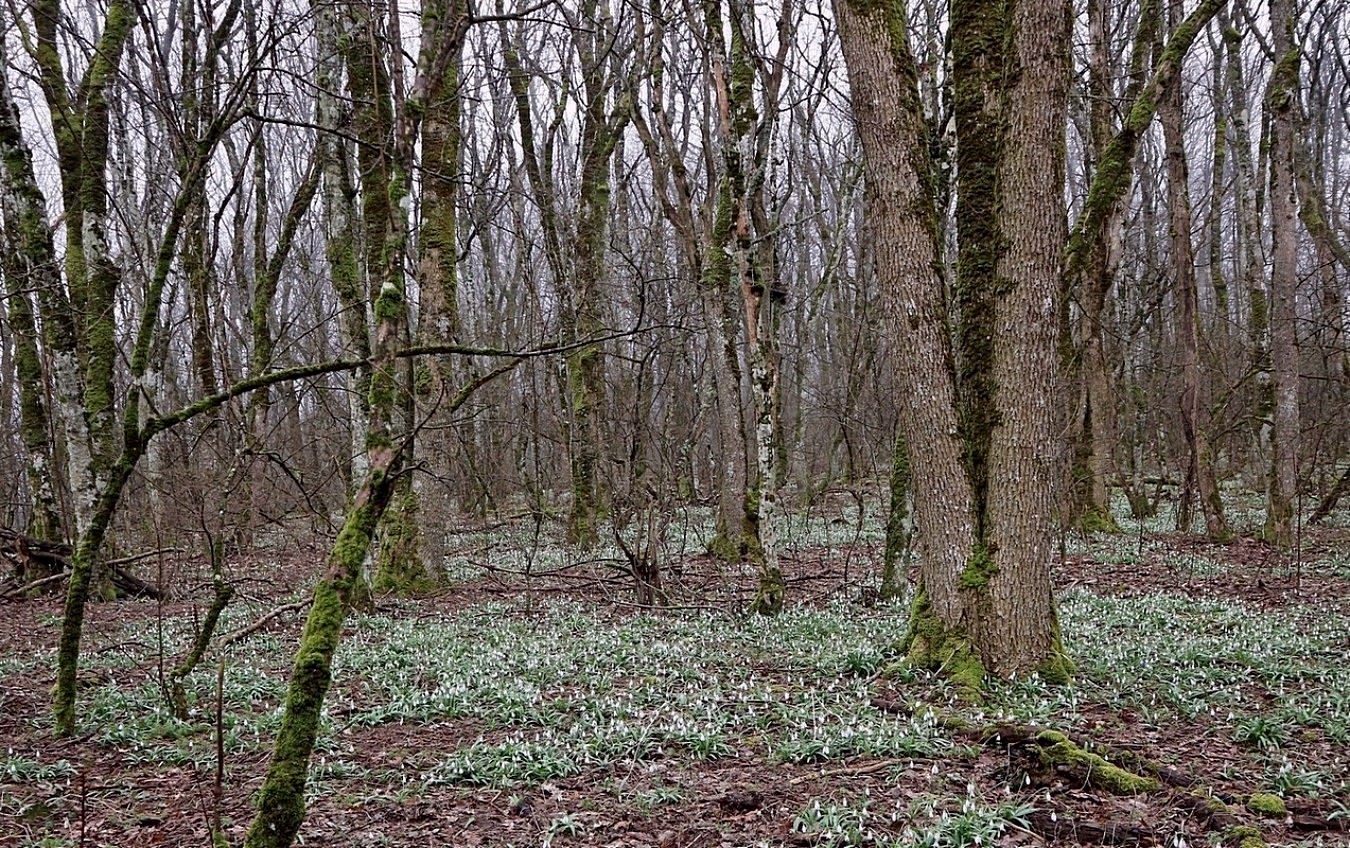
{"x": 979, "y": 569}
{"x": 1214, "y": 805}
{"x": 1265, "y": 804}
{"x": 724, "y": 547}
{"x": 769, "y": 598}
{"x": 399, "y": 567}
{"x": 1098, "y": 519}
{"x": 1244, "y": 836}
{"x": 1057, "y": 749}
{"x": 1058, "y": 669}
{"x": 931, "y": 645}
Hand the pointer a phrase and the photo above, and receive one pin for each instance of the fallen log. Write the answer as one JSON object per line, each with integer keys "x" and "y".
{"x": 52, "y": 560}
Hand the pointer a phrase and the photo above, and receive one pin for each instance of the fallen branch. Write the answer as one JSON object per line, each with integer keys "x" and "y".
{"x": 852, "y": 771}
{"x": 20, "y": 591}
{"x": 55, "y": 557}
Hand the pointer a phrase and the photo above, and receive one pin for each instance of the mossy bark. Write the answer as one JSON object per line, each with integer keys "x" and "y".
{"x": 1056, "y": 750}
{"x": 281, "y": 803}
{"x": 576, "y": 255}
{"x": 28, "y": 263}
{"x": 437, "y": 449}
{"x": 978, "y": 414}
{"x": 932, "y": 644}
{"x": 398, "y": 563}
{"x": 734, "y": 533}
{"x": 83, "y": 569}
{"x": 751, "y": 270}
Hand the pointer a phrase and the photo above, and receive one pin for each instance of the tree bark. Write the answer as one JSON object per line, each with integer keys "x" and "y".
{"x": 443, "y": 23}
{"x": 29, "y": 265}
{"x": 1200, "y": 480}
{"x": 977, "y": 421}
{"x": 1282, "y": 101}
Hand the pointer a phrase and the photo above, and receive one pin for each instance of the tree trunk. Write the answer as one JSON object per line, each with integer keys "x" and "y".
{"x": 754, "y": 277}
{"x": 1199, "y": 461}
{"x": 1282, "y": 101}
{"x": 29, "y": 265}
{"x": 984, "y": 601}
{"x": 438, "y": 319}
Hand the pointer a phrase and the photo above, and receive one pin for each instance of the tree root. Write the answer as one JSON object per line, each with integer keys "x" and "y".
{"x": 1048, "y": 757}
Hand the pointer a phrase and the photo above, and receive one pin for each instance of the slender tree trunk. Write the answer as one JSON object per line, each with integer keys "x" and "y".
{"x": 337, "y": 36}
{"x": 1199, "y": 463}
{"x": 1093, "y": 463}
{"x": 753, "y": 275}
{"x": 899, "y": 524}
{"x": 29, "y": 265}
{"x": 1250, "y": 262}
{"x": 576, "y": 256}
{"x": 1282, "y": 101}
{"x": 443, "y": 22}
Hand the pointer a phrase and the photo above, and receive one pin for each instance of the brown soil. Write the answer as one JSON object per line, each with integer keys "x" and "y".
{"x": 740, "y": 800}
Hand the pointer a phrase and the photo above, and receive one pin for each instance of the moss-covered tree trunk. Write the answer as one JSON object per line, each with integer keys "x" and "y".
{"x": 86, "y": 352}
{"x": 281, "y": 803}
{"x": 704, "y": 233}
{"x": 373, "y": 65}
{"x": 752, "y": 273}
{"x": 576, "y": 254}
{"x": 979, "y": 419}
{"x": 438, "y": 316}
{"x": 29, "y": 265}
{"x": 605, "y": 115}
{"x": 1249, "y": 247}
{"x": 1282, "y": 102}
{"x": 84, "y": 386}
{"x": 735, "y": 535}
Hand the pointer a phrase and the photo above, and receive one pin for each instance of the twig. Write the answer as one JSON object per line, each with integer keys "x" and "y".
{"x": 853, "y": 771}
{"x": 230, "y": 638}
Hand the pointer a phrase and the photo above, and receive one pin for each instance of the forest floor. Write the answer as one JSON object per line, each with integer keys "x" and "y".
{"x": 533, "y": 704}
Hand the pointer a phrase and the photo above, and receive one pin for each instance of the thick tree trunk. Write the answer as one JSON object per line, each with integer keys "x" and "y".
{"x": 978, "y": 420}
{"x": 1020, "y": 632}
